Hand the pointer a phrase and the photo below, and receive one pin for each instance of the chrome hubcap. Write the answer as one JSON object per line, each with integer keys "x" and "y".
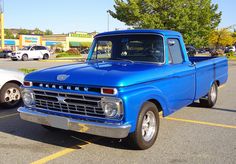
{"x": 148, "y": 126}
{"x": 12, "y": 95}
{"x": 213, "y": 93}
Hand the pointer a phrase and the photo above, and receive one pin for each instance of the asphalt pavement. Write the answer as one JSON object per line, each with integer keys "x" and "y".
{"x": 191, "y": 135}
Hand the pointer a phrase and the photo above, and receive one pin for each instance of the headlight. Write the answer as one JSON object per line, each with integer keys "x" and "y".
{"x": 112, "y": 107}
{"x": 28, "y": 97}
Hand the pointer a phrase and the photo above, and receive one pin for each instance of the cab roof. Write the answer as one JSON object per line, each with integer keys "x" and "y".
{"x": 140, "y": 31}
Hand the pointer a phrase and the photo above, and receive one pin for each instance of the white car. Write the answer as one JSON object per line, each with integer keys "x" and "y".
{"x": 232, "y": 49}
{"x": 31, "y": 52}
{"x": 10, "y": 83}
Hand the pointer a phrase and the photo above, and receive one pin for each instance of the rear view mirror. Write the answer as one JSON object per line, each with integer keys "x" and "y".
{"x": 171, "y": 42}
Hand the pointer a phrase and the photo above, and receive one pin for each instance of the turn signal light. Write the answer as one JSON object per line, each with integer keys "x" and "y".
{"x": 109, "y": 91}
{"x": 27, "y": 83}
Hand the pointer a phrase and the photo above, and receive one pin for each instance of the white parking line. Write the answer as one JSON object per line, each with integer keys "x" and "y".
{"x": 9, "y": 115}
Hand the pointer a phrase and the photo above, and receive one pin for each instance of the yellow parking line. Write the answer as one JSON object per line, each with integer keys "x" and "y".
{"x": 62, "y": 152}
{"x": 9, "y": 115}
{"x": 54, "y": 156}
{"x": 201, "y": 122}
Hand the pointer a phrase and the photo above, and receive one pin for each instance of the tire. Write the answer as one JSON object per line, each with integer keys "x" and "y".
{"x": 210, "y": 99}
{"x": 49, "y": 128}
{"x": 45, "y": 56}
{"x": 13, "y": 59}
{"x": 10, "y": 95}
{"x": 145, "y": 135}
{"x": 24, "y": 57}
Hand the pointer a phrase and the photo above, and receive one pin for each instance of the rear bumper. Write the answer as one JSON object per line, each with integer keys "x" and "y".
{"x": 100, "y": 129}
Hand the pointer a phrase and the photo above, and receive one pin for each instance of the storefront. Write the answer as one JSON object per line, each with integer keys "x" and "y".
{"x": 29, "y": 40}
{"x": 79, "y": 40}
{"x": 11, "y": 44}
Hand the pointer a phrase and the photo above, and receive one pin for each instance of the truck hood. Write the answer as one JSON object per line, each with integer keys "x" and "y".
{"x": 100, "y": 73}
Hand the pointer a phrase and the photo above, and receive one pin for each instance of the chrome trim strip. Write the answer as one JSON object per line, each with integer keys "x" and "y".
{"x": 101, "y": 129}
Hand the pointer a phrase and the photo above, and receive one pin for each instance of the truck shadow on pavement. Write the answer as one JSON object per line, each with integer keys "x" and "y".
{"x": 12, "y": 124}
{"x": 198, "y": 105}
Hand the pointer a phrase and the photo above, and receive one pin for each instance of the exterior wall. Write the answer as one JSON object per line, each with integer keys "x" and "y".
{"x": 28, "y": 40}
{"x": 49, "y": 40}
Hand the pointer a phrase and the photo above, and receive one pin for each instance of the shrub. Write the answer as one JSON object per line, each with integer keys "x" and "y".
{"x": 230, "y": 54}
{"x": 73, "y": 52}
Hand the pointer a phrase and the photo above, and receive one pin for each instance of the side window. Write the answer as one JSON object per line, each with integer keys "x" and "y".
{"x": 175, "y": 53}
{"x": 42, "y": 48}
{"x": 33, "y": 48}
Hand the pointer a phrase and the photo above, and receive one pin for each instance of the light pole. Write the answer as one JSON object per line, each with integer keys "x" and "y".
{"x": 108, "y": 21}
{"x": 2, "y": 23}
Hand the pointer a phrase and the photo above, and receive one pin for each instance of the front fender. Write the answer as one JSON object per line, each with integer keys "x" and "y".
{"x": 135, "y": 98}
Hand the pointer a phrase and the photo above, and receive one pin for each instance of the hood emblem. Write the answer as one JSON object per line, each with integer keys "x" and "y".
{"x": 62, "y": 77}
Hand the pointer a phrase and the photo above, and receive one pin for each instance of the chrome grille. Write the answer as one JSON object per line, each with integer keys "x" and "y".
{"x": 85, "y": 105}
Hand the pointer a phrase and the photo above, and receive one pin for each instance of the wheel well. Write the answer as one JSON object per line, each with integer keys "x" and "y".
{"x": 14, "y": 81}
{"x": 158, "y": 105}
{"x": 217, "y": 82}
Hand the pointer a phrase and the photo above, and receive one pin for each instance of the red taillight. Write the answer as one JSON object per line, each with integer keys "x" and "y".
{"x": 109, "y": 91}
{"x": 27, "y": 83}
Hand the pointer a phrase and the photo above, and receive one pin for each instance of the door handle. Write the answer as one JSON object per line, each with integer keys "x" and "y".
{"x": 192, "y": 64}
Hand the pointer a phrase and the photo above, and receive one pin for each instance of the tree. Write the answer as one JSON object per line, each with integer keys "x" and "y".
{"x": 48, "y": 32}
{"x": 9, "y": 34}
{"x": 37, "y": 31}
{"x": 195, "y": 19}
{"x": 24, "y": 31}
{"x": 221, "y": 38}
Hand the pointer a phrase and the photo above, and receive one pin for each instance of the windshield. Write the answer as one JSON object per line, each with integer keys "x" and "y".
{"x": 26, "y": 48}
{"x": 147, "y": 48}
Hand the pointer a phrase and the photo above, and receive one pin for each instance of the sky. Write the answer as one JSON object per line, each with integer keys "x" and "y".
{"x": 63, "y": 16}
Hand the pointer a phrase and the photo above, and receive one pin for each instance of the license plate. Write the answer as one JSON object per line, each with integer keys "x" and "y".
{"x": 58, "y": 122}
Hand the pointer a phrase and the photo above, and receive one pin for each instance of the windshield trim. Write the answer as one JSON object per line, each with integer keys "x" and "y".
{"x": 162, "y": 36}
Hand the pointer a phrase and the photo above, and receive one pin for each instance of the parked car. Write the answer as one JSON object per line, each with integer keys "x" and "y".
{"x": 5, "y": 54}
{"x": 231, "y": 49}
{"x": 217, "y": 52}
{"x": 120, "y": 95}
{"x": 31, "y": 52}
{"x": 201, "y": 51}
{"x": 10, "y": 83}
{"x": 191, "y": 51}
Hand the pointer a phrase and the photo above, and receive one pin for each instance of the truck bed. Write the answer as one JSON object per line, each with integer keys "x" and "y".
{"x": 208, "y": 70}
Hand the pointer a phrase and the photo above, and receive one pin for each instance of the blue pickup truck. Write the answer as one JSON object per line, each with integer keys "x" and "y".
{"x": 128, "y": 78}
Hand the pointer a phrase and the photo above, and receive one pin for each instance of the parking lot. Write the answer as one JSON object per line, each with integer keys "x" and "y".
{"x": 191, "y": 135}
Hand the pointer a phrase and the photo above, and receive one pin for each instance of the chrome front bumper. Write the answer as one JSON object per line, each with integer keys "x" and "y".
{"x": 100, "y": 129}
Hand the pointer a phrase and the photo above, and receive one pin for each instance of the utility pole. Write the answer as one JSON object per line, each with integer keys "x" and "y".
{"x": 108, "y": 21}
{"x": 2, "y": 24}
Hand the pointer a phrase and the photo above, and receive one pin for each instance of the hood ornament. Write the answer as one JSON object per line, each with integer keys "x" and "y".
{"x": 62, "y": 77}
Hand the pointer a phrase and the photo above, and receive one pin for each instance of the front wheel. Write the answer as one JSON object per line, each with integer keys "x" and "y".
{"x": 210, "y": 99}
{"x": 24, "y": 57}
{"x": 147, "y": 127}
{"x": 10, "y": 95}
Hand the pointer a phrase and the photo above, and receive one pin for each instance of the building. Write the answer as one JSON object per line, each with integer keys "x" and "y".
{"x": 79, "y": 40}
